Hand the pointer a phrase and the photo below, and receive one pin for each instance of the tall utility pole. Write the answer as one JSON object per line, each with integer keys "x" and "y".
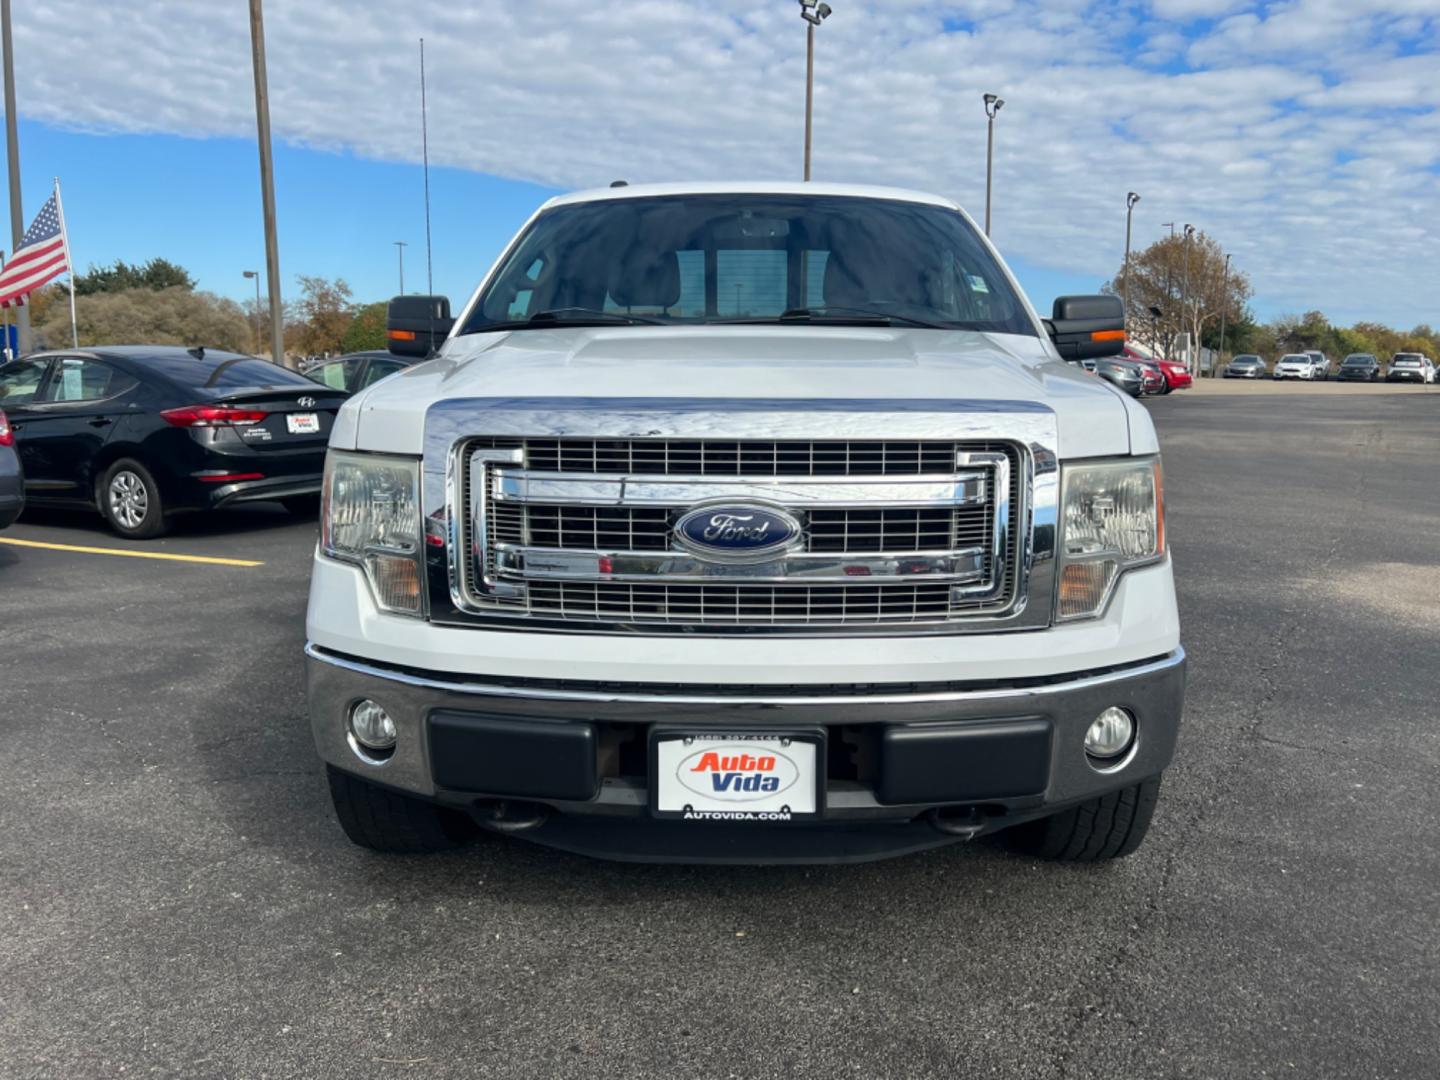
{"x": 993, "y": 104}
{"x": 1191, "y": 346}
{"x": 814, "y": 13}
{"x": 400, "y": 247}
{"x": 12, "y": 146}
{"x": 267, "y": 183}
{"x": 1130, "y": 201}
{"x": 1224, "y": 310}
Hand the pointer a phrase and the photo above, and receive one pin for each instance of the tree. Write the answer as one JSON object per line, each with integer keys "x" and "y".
{"x": 156, "y": 274}
{"x": 173, "y": 316}
{"x": 1180, "y": 288}
{"x": 323, "y": 313}
{"x": 367, "y": 329}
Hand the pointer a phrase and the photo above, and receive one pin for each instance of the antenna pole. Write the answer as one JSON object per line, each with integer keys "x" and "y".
{"x": 425, "y": 150}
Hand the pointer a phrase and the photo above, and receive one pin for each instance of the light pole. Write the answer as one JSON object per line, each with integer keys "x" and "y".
{"x": 400, "y": 247}
{"x": 259, "y": 346}
{"x": 993, "y": 104}
{"x": 267, "y": 182}
{"x": 1224, "y": 310}
{"x": 1130, "y": 201}
{"x": 814, "y": 13}
{"x": 23, "y": 343}
{"x": 1191, "y": 346}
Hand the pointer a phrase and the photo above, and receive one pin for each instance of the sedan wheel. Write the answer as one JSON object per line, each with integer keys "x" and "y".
{"x": 130, "y": 501}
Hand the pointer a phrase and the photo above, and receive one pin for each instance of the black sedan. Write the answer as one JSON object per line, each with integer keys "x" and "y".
{"x": 141, "y": 432}
{"x": 1359, "y": 367}
{"x": 12, "y": 480}
{"x": 353, "y": 372}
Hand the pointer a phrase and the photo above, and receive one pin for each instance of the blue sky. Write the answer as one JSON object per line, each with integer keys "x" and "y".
{"x": 338, "y": 215}
{"x": 1303, "y": 134}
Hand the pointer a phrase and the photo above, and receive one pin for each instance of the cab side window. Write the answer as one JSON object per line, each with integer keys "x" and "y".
{"x": 76, "y": 379}
{"x": 20, "y": 381}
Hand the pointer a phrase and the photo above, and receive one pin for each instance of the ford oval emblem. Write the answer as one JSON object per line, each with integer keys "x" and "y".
{"x": 737, "y": 532}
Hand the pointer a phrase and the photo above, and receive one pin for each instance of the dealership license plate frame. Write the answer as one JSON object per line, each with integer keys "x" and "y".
{"x": 813, "y": 737}
{"x": 302, "y": 423}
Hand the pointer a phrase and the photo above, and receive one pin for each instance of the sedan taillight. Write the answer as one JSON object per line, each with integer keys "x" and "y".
{"x": 213, "y": 416}
{"x": 7, "y": 433}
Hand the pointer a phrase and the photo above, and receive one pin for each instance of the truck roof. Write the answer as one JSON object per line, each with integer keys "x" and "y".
{"x": 761, "y": 187}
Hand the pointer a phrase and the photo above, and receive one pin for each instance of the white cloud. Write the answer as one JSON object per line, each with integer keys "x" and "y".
{"x": 1302, "y": 134}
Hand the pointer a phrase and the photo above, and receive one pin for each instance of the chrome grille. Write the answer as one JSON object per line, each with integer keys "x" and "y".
{"x": 602, "y": 559}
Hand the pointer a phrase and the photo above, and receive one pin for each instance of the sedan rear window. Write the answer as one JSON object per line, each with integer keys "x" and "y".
{"x": 224, "y": 372}
{"x": 1406, "y": 361}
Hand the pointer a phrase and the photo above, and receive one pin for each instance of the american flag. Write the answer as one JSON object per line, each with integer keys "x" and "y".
{"x": 43, "y": 255}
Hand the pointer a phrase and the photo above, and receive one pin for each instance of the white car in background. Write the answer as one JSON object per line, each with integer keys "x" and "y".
{"x": 1322, "y": 364}
{"x": 1296, "y": 366}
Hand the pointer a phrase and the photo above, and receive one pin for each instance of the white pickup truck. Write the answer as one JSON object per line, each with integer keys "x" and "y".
{"x": 749, "y": 523}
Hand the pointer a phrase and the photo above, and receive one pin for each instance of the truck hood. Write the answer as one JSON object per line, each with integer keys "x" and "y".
{"x": 771, "y": 362}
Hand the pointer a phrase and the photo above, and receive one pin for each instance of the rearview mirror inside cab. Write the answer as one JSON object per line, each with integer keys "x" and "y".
{"x": 417, "y": 325}
{"x": 1087, "y": 327}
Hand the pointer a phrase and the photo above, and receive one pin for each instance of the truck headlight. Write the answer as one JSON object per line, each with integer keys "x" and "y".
{"x": 1112, "y": 520}
{"x": 370, "y": 516}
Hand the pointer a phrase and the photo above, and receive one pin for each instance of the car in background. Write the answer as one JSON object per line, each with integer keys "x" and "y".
{"x": 1123, "y": 374}
{"x": 1177, "y": 375}
{"x": 1359, "y": 367}
{"x": 143, "y": 432}
{"x": 1411, "y": 367}
{"x": 353, "y": 372}
{"x": 1295, "y": 366}
{"x": 12, "y": 478}
{"x": 1245, "y": 366}
{"x": 1322, "y": 364}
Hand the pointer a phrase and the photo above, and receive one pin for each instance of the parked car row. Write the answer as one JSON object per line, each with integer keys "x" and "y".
{"x": 1314, "y": 365}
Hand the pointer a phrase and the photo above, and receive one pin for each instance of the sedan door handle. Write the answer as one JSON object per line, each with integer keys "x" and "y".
{"x": 101, "y": 421}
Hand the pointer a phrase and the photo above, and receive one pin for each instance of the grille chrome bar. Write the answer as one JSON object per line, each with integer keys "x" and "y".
{"x": 958, "y": 567}
{"x": 968, "y": 488}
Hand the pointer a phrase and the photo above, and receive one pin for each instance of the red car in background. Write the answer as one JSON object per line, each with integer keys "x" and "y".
{"x": 1173, "y": 375}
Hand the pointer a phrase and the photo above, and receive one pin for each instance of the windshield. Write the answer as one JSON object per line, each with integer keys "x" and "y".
{"x": 1246, "y": 361}
{"x": 1358, "y": 361}
{"x": 1295, "y": 360}
{"x": 695, "y": 259}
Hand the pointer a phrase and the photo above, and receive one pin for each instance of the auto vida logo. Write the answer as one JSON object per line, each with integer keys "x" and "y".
{"x": 737, "y": 532}
{"x": 738, "y": 773}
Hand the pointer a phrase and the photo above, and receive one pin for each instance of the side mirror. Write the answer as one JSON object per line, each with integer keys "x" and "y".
{"x": 417, "y": 325}
{"x": 1087, "y": 327}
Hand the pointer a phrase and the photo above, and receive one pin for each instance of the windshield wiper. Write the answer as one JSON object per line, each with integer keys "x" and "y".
{"x": 844, "y": 315}
{"x": 582, "y": 314}
{"x": 570, "y": 316}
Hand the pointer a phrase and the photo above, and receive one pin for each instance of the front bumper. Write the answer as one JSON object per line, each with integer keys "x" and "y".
{"x": 566, "y": 763}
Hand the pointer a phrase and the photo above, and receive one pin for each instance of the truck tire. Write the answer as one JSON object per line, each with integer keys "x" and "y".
{"x": 384, "y": 820}
{"x": 1108, "y": 827}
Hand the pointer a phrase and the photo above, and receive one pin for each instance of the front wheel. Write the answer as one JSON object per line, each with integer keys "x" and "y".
{"x": 1108, "y": 827}
{"x": 384, "y": 820}
{"x": 130, "y": 501}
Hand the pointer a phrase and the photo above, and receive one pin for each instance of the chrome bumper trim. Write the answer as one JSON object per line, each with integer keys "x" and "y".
{"x": 494, "y": 690}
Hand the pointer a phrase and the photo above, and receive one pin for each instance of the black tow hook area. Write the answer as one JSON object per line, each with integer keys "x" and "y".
{"x": 505, "y": 815}
{"x": 963, "y": 821}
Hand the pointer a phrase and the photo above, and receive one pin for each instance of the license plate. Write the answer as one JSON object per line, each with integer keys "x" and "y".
{"x": 742, "y": 776}
{"x": 302, "y": 423}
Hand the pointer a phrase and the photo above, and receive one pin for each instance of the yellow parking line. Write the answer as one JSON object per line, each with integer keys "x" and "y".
{"x": 208, "y": 560}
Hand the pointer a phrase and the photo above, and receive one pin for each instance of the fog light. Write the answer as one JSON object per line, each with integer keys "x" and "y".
{"x": 372, "y": 727}
{"x": 1111, "y": 734}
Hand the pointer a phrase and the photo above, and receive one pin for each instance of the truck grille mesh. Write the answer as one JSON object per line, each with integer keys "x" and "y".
{"x": 853, "y": 530}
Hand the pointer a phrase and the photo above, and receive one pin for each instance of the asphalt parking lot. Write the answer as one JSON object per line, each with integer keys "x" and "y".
{"x": 177, "y": 900}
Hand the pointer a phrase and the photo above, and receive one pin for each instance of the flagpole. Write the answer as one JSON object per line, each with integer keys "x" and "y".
{"x": 69, "y": 263}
